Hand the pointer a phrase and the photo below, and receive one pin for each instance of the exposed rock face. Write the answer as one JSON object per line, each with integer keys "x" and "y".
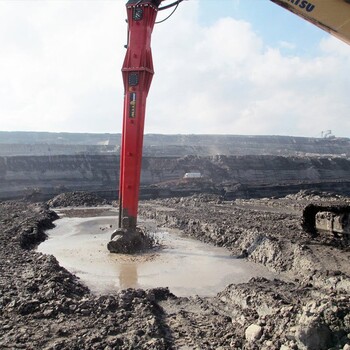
{"x": 44, "y": 143}
{"x": 235, "y": 176}
{"x": 48, "y": 175}
{"x": 40, "y": 165}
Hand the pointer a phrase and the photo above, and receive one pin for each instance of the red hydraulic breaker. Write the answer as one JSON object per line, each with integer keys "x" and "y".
{"x": 137, "y": 74}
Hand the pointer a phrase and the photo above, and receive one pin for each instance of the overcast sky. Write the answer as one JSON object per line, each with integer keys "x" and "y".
{"x": 222, "y": 66}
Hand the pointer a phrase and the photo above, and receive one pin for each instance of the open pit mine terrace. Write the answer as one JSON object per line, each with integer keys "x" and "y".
{"x": 253, "y": 254}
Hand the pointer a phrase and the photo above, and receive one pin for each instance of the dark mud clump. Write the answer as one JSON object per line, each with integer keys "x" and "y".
{"x": 131, "y": 242}
{"x": 77, "y": 199}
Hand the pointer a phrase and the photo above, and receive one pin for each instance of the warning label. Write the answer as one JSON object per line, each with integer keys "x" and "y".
{"x": 132, "y": 109}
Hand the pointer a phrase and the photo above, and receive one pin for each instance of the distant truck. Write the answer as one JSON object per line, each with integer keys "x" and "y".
{"x": 192, "y": 175}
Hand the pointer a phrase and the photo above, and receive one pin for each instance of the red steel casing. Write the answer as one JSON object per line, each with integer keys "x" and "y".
{"x": 137, "y": 74}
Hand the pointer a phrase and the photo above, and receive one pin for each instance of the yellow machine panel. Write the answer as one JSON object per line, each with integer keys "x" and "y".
{"x": 331, "y": 15}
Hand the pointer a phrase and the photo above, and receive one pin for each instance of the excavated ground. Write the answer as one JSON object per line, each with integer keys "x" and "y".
{"x": 43, "y": 306}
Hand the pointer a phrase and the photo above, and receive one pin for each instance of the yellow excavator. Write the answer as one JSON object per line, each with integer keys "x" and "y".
{"x": 333, "y": 16}
{"x": 330, "y": 15}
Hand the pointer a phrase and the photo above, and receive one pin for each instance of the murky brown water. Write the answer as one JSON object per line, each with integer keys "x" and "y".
{"x": 184, "y": 265}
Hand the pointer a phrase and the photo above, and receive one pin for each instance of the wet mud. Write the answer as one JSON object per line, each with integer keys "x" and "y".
{"x": 43, "y": 306}
{"x": 187, "y": 266}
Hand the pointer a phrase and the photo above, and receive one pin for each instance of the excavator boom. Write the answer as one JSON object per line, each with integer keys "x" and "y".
{"x": 333, "y": 16}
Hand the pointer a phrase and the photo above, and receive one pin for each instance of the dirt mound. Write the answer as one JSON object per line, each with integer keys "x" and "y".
{"x": 77, "y": 199}
{"x": 43, "y": 306}
{"x": 318, "y": 197}
{"x": 279, "y": 315}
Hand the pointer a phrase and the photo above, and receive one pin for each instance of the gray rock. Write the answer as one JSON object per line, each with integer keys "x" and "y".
{"x": 253, "y": 332}
{"x": 285, "y": 347}
{"x": 313, "y": 334}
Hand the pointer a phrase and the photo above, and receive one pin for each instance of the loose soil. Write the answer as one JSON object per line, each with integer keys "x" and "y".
{"x": 43, "y": 306}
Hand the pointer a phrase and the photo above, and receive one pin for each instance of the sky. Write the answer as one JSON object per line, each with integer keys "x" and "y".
{"x": 242, "y": 67}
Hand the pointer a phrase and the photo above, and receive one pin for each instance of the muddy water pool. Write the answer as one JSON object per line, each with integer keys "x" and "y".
{"x": 186, "y": 266}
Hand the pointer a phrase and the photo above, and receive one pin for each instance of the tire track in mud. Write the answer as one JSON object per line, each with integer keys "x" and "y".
{"x": 195, "y": 324}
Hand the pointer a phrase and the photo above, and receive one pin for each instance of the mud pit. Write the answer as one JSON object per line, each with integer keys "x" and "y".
{"x": 43, "y": 306}
{"x": 187, "y": 266}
